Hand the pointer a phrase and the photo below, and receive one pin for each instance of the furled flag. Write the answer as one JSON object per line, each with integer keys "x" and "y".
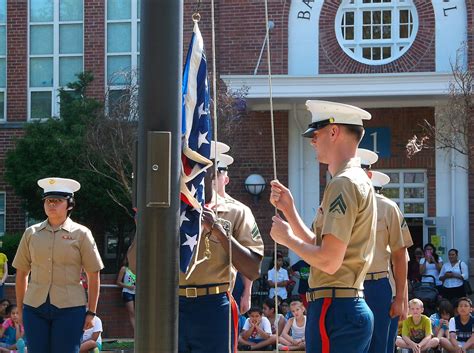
{"x": 196, "y": 137}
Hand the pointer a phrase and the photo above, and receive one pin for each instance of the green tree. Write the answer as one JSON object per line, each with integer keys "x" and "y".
{"x": 59, "y": 147}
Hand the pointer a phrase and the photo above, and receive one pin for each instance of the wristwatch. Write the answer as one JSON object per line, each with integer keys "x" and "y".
{"x": 91, "y": 313}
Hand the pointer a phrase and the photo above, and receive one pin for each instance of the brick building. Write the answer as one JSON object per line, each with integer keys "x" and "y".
{"x": 391, "y": 57}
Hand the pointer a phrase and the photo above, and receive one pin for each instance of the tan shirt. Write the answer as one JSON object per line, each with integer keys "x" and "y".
{"x": 243, "y": 228}
{"x": 348, "y": 211}
{"x": 55, "y": 259}
{"x": 392, "y": 233}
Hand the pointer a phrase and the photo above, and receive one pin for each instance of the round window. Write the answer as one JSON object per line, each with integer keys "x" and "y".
{"x": 376, "y": 32}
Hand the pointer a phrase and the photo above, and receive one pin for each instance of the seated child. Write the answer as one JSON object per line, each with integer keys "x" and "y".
{"x": 257, "y": 332}
{"x": 91, "y": 339}
{"x": 12, "y": 332}
{"x": 440, "y": 322}
{"x": 461, "y": 327}
{"x": 416, "y": 331}
{"x": 297, "y": 325}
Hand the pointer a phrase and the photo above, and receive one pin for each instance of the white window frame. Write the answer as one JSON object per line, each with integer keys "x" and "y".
{"x": 3, "y": 213}
{"x": 395, "y": 42}
{"x": 401, "y": 185}
{"x": 56, "y": 57}
{"x": 134, "y": 53}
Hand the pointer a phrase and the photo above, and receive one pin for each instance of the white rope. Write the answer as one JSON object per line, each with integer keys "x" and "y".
{"x": 270, "y": 87}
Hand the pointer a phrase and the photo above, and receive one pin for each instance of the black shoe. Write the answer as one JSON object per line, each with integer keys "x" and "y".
{"x": 244, "y": 347}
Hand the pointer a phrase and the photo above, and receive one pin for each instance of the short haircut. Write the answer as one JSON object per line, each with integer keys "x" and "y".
{"x": 465, "y": 299}
{"x": 415, "y": 301}
{"x": 455, "y": 250}
{"x": 355, "y": 130}
{"x": 255, "y": 309}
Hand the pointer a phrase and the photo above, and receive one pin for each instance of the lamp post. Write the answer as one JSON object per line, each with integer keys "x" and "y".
{"x": 255, "y": 184}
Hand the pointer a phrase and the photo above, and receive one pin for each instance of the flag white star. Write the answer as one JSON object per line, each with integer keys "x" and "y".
{"x": 202, "y": 111}
{"x": 202, "y": 139}
{"x": 190, "y": 241}
{"x": 183, "y": 218}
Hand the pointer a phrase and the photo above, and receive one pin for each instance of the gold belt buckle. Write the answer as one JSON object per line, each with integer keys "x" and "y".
{"x": 191, "y": 292}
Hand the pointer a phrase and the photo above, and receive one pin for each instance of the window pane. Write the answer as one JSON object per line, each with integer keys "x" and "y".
{"x": 118, "y": 69}
{"x": 119, "y": 37}
{"x": 68, "y": 68}
{"x": 41, "y": 72}
{"x": 387, "y": 52}
{"x": 2, "y": 223}
{"x": 391, "y": 193}
{"x": 139, "y": 8}
{"x": 2, "y": 202}
{"x": 403, "y": 16}
{"x": 387, "y": 17}
{"x": 3, "y": 71}
{"x": 349, "y": 33}
{"x": 2, "y": 105}
{"x": 377, "y": 32}
{"x": 366, "y": 17}
{"x": 3, "y": 39}
{"x": 414, "y": 193}
{"x": 376, "y": 17}
{"x": 387, "y": 32}
{"x": 394, "y": 177}
{"x": 40, "y": 105}
{"x": 41, "y": 40}
{"x": 138, "y": 36}
{"x": 3, "y": 11}
{"x": 118, "y": 9}
{"x": 366, "y": 53}
{"x": 350, "y": 18}
{"x": 41, "y": 10}
{"x": 404, "y": 31}
{"x": 119, "y": 103}
{"x": 414, "y": 207}
{"x": 70, "y": 10}
{"x": 376, "y": 53}
{"x": 70, "y": 39}
{"x": 366, "y": 32}
{"x": 414, "y": 177}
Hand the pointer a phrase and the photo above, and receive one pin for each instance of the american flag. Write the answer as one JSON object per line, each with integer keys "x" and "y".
{"x": 196, "y": 137}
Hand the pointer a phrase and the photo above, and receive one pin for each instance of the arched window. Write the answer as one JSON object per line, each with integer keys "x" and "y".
{"x": 376, "y": 32}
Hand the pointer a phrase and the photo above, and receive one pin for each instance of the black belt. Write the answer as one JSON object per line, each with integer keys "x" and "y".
{"x": 333, "y": 292}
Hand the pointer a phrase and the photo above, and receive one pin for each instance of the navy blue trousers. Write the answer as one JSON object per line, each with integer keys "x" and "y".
{"x": 49, "y": 329}
{"x": 392, "y": 335}
{"x": 203, "y": 324}
{"x": 338, "y": 325}
{"x": 378, "y": 295}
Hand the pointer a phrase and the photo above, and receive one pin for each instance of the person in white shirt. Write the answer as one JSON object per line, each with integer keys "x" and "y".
{"x": 452, "y": 274}
{"x": 430, "y": 265}
{"x": 92, "y": 339}
{"x": 280, "y": 276}
{"x": 257, "y": 332}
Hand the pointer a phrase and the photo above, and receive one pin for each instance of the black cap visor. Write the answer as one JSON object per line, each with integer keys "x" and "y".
{"x": 56, "y": 195}
{"x": 316, "y": 126}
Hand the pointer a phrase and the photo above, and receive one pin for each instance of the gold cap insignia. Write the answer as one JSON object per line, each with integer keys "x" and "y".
{"x": 51, "y": 181}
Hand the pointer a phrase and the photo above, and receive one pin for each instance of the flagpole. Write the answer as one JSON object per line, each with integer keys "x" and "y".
{"x": 158, "y": 176}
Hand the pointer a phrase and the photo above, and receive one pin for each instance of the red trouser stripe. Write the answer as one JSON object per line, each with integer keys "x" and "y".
{"x": 235, "y": 319}
{"x": 322, "y": 325}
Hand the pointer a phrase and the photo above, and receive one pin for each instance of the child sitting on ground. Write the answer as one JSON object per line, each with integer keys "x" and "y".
{"x": 461, "y": 328}
{"x": 12, "y": 332}
{"x": 297, "y": 325}
{"x": 257, "y": 332}
{"x": 416, "y": 331}
{"x": 440, "y": 322}
{"x": 92, "y": 339}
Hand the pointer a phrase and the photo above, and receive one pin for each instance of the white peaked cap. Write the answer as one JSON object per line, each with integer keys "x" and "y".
{"x": 367, "y": 157}
{"x": 324, "y": 113}
{"x": 224, "y": 161}
{"x": 379, "y": 179}
{"x": 58, "y": 186}
{"x": 221, "y": 148}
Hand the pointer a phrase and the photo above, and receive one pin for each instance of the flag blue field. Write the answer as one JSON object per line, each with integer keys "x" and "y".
{"x": 196, "y": 147}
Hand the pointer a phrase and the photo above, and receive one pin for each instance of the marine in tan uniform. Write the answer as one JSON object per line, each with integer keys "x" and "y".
{"x": 393, "y": 239}
{"x": 341, "y": 249}
{"x": 53, "y": 303}
{"x": 205, "y": 294}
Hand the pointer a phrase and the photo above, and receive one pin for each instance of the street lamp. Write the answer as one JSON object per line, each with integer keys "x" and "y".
{"x": 255, "y": 184}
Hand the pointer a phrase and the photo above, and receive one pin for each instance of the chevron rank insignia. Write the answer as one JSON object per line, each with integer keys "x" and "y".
{"x": 338, "y": 205}
{"x": 255, "y": 232}
{"x": 404, "y": 224}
